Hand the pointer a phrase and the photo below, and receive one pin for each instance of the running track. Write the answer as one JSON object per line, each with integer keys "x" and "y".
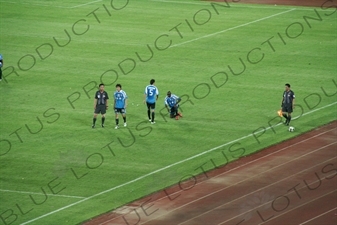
{"x": 294, "y": 182}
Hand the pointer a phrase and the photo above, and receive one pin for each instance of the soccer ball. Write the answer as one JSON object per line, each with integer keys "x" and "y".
{"x": 291, "y": 129}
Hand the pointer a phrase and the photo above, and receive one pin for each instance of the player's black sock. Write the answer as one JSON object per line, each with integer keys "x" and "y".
{"x": 124, "y": 118}
{"x": 103, "y": 119}
{"x": 152, "y": 117}
{"x": 285, "y": 116}
{"x": 94, "y": 121}
{"x": 117, "y": 122}
{"x": 289, "y": 118}
{"x": 148, "y": 113}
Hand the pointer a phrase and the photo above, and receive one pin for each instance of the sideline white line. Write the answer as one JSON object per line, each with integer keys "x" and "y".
{"x": 159, "y": 170}
{"x": 77, "y": 6}
{"x": 232, "y": 28}
{"x": 300, "y": 206}
{"x": 35, "y": 193}
{"x": 318, "y": 216}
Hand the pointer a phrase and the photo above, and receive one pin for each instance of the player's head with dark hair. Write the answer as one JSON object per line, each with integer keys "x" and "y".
{"x": 287, "y": 86}
{"x": 169, "y": 94}
{"x": 101, "y": 87}
{"x": 118, "y": 87}
{"x": 152, "y": 81}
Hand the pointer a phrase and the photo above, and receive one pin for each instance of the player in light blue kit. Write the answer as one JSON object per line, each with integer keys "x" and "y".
{"x": 150, "y": 97}
{"x": 120, "y": 104}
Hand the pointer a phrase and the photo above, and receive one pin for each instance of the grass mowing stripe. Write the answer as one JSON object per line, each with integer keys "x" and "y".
{"x": 232, "y": 28}
{"x": 35, "y": 193}
{"x": 161, "y": 169}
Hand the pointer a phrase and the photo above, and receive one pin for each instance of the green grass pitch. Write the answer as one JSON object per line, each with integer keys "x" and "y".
{"x": 228, "y": 61}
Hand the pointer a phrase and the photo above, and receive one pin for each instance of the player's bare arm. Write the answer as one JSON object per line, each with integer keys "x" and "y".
{"x": 95, "y": 103}
{"x": 107, "y": 105}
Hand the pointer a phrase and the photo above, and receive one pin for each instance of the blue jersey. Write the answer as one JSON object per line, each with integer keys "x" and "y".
{"x": 171, "y": 101}
{"x": 120, "y": 97}
{"x": 151, "y": 92}
{"x": 0, "y": 57}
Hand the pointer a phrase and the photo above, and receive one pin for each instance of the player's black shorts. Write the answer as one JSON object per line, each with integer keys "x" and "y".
{"x": 100, "y": 109}
{"x": 287, "y": 108}
{"x": 120, "y": 110}
{"x": 174, "y": 111}
{"x": 151, "y": 105}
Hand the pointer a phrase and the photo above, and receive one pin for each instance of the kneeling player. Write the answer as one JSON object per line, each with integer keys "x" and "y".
{"x": 171, "y": 104}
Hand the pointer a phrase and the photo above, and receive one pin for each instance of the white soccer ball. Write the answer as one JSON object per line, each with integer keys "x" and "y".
{"x": 291, "y": 129}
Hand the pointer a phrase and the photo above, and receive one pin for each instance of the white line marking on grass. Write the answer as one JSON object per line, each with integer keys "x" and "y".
{"x": 77, "y": 6}
{"x": 161, "y": 169}
{"x": 63, "y": 7}
{"x": 318, "y": 216}
{"x": 36, "y": 193}
{"x": 232, "y": 28}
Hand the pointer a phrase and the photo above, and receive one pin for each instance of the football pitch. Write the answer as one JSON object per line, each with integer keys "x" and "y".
{"x": 227, "y": 61}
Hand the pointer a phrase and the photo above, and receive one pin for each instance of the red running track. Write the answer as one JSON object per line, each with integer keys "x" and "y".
{"x": 290, "y": 183}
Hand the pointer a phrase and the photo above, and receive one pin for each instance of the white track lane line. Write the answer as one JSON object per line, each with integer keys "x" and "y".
{"x": 288, "y": 193}
{"x": 318, "y": 216}
{"x": 300, "y": 206}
